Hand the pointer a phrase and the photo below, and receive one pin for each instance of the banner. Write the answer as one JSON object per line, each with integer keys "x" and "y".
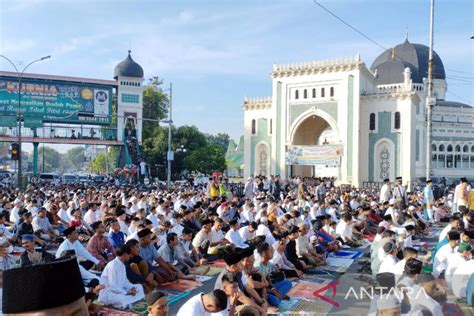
{"x": 65, "y": 103}
{"x": 322, "y": 156}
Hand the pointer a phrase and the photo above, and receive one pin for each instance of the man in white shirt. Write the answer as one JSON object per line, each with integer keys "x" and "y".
{"x": 233, "y": 235}
{"x": 385, "y": 193}
{"x": 455, "y": 260}
{"x": 248, "y": 232}
{"x": 441, "y": 257}
{"x": 399, "y": 268}
{"x": 389, "y": 262}
{"x": 91, "y": 215}
{"x": 153, "y": 218}
{"x": 63, "y": 214}
{"x": 344, "y": 229}
{"x": 72, "y": 243}
{"x": 453, "y": 225}
{"x": 118, "y": 291}
{"x": 461, "y": 277}
{"x": 14, "y": 215}
{"x": 263, "y": 230}
{"x": 204, "y": 304}
{"x": 332, "y": 210}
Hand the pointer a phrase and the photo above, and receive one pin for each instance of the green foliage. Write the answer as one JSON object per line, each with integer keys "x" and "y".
{"x": 206, "y": 159}
{"x": 49, "y": 160}
{"x": 101, "y": 161}
{"x": 221, "y": 139}
{"x": 155, "y": 106}
{"x": 74, "y": 159}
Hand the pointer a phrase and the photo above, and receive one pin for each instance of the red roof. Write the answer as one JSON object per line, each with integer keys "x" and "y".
{"x": 62, "y": 78}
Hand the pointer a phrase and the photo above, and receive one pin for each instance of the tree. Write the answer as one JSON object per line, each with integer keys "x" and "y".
{"x": 221, "y": 139}
{"x": 49, "y": 160}
{"x": 206, "y": 159}
{"x": 74, "y": 159}
{"x": 155, "y": 107}
{"x": 103, "y": 162}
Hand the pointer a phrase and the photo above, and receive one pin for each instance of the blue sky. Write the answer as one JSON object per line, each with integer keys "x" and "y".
{"x": 218, "y": 52}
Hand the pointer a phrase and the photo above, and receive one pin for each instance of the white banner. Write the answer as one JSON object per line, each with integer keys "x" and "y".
{"x": 321, "y": 156}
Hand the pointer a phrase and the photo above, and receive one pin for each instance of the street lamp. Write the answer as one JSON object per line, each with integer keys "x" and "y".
{"x": 20, "y": 76}
{"x": 181, "y": 149}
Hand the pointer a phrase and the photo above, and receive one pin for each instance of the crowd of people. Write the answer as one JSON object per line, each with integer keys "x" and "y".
{"x": 126, "y": 243}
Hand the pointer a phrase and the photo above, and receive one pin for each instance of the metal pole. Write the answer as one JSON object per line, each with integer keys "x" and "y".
{"x": 429, "y": 96}
{"x": 170, "y": 118}
{"x": 19, "y": 173}
{"x": 106, "y": 159}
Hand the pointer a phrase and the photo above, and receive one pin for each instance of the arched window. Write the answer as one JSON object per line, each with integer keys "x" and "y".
{"x": 465, "y": 149}
{"x": 271, "y": 126}
{"x": 331, "y": 92}
{"x": 322, "y": 92}
{"x": 457, "y": 148}
{"x": 450, "y": 148}
{"x": 305, "y": 93}
{"x": 372, "y": 121}
{"x": 314, "y": 93}
{"x": 397, "y": 120}
{"x": 254, "y": 127}
{"x": 441, "y": 147}
{"x": 433, "y": 147}
{"x": 297, "y": 94}
{"x": 472, "y": 149}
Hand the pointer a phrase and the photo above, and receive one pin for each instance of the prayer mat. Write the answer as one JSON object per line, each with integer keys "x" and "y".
{"x": 203, "y": 278}
{"x": 340, "y": 265}
{"x": 107, "y": 311}
{"x": 305, "y": 307}
{"x": 199, "y": 270}
{"x": 314, "y": 280}
{"x": 182, "y": 285}
{"x": 286, "y": 306}
{"x": 139, "y": 307}
{"x": 218, "y": 263}
{"x": 348, "y": 254}
{"x": 306, "y": 290}
{"x": 174, "y": 296}
{"x": 214, "y": 271}
{"x": 451, "y": 309}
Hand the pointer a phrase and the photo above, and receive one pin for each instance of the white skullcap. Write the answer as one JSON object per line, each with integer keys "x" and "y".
{"x": 411, "y": 208}
{"x": 373, "y": 203}
{"x": 391, "y": 201}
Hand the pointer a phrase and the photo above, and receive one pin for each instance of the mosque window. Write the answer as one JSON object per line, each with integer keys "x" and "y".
{"x": 450, "y": 148}
{"x": 441, "y": 147}
{"x": 297, "y": 94}
{"x": 322, "y": 92}
{"x": 372, "y": 121}
{"x": 130, "y": 98}
{"x": 397, "y": 120}
{"x": 254, "y": 127}
{"x": 472, "y": 149}
{"x": 331, "y": 92}
{"x": 433, "y": 147}
{"x": 314, "y": 93}
{"x": 465, "y": 149}
{"x": 305, "y": 93}
{"x": 458, "y": 148}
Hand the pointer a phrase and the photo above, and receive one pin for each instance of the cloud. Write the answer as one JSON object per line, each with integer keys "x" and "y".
{"x": 77, "y": 43}
{"x": 22, "y": 5}
{"x": 17, "y": 47}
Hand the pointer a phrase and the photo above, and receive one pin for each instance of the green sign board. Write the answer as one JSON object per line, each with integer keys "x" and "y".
{"x": 57, "y": 102}
{"x": 8, "y": 121}
{"x": 33, "y": 121}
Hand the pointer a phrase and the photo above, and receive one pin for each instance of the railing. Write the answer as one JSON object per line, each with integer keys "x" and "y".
{"x": 398, "y": 87}
{"x": 98, "y": 133}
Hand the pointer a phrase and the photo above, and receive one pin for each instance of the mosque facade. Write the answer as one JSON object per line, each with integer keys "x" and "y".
{"x": 341, "y": 119}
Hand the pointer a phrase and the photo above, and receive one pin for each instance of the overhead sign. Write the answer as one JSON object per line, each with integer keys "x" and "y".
{"x": 325, "y": 155}
{"x": 64, "y": 103}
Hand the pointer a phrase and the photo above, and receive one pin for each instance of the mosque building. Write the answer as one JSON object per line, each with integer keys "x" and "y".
{"x": 341, "y": 119}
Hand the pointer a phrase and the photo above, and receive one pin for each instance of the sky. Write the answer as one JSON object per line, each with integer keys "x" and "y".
{"x": 218, "y": 52}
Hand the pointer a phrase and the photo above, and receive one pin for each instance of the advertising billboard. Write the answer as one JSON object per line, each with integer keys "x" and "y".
{"x": 75, "y": 103}
{"x": 324, "y": 155}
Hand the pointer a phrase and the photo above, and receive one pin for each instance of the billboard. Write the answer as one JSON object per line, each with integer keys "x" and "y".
{"x": 325, "y": 156}
{"x": 75, "y": 103}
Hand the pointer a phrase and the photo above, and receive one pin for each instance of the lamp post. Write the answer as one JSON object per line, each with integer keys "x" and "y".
{"x": 20, "y": 76}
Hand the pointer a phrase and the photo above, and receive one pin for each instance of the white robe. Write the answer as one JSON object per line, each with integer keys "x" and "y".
{"x": 114, "y": 277}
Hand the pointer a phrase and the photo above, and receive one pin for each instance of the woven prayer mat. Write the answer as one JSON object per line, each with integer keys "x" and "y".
{"x": 107, "y": 311}
{"x": 203, "y": 278}
{"x": 199, "y": 270}
{"x": 349, "y": 254}
{"x": 295, "y": 306}
{"x": 452, "y": 309}
{"x": 182, "y": 285}
{"x": 139, "y": 307}
{"x": 214, "y": 271}
{"x": 174, "y": 296}
{"x": 305, "y": 290}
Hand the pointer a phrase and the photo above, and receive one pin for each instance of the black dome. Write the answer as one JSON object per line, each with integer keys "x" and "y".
{"x": 414, "y": 56}
{"x": 392, "y": 72}
{"x": 128, "y": 68}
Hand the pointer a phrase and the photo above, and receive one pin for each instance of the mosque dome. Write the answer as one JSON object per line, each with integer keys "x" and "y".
{"x": 128, "y": 68}
{"x": 390, "y": 64}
